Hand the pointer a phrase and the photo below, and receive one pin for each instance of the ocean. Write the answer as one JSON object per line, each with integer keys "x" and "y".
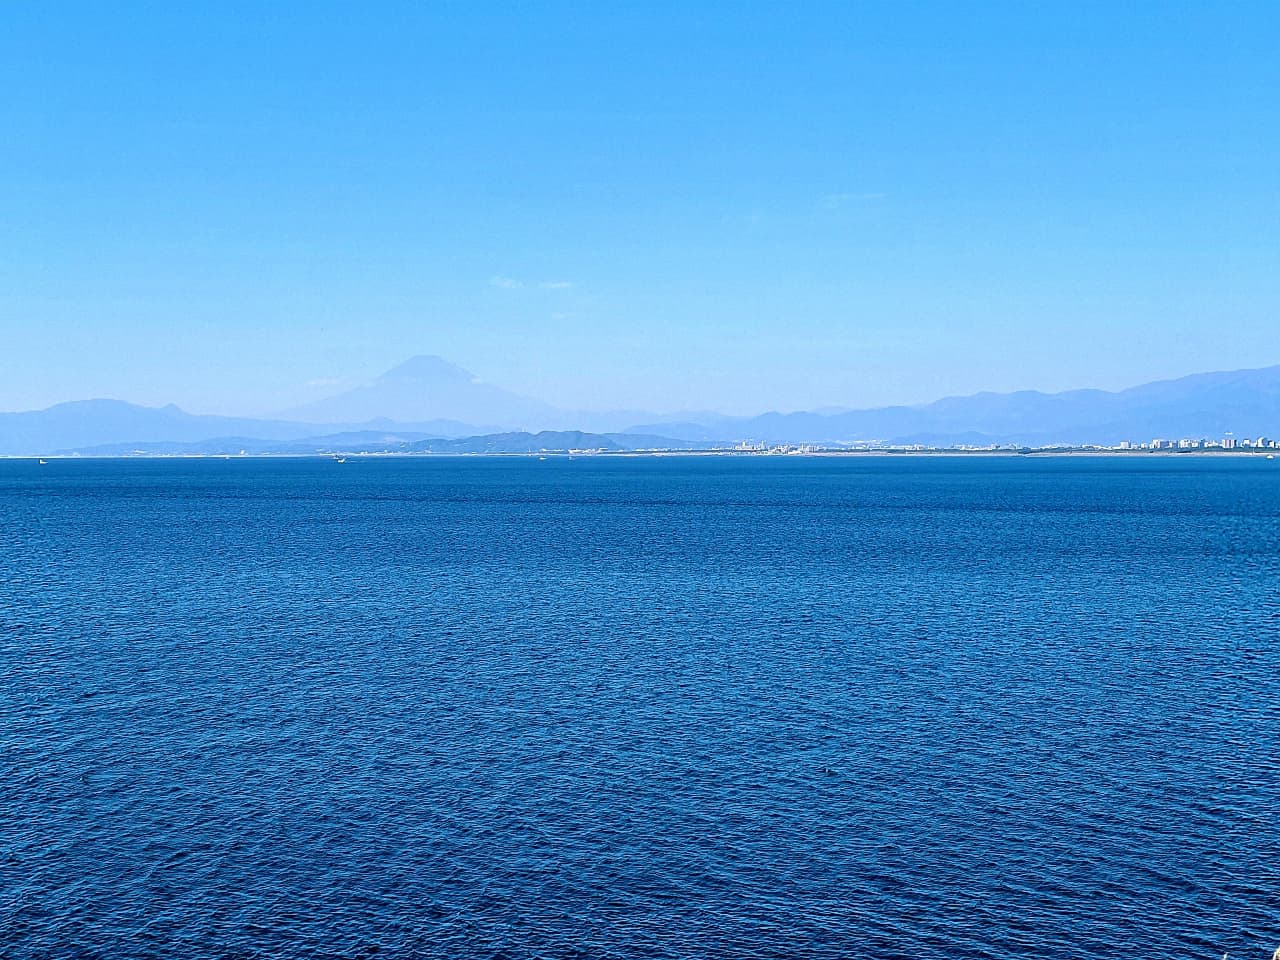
{"x": 925, "y": 707}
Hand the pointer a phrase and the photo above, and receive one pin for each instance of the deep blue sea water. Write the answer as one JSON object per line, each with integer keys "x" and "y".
{"x": 683, "y": 707}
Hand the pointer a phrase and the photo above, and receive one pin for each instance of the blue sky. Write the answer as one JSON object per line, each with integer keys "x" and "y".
{"x": 734, "y": 206}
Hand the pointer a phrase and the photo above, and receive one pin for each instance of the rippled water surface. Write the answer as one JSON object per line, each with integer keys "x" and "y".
{"x": 685, "y": 707}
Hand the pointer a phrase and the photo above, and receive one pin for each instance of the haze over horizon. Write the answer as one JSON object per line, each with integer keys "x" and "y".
{"x": 244, "y": 211}
{"x": 429, "y": 405}
{"x": 410, "y": 392}
{"x": 329, "y": 390}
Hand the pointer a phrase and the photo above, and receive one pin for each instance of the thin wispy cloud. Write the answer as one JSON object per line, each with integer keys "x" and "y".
{"x": 833, "y": 201}
{"x": 514, "y": 283}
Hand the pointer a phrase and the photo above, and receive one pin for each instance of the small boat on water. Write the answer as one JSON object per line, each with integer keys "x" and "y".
{"x": 42, "y": 462}
{"x": 340, "y": 459}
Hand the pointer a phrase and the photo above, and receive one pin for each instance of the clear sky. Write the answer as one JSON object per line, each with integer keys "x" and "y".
{"x": 737, "y": 206}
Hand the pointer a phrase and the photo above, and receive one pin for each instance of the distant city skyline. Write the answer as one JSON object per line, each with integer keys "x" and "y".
{"x": 243, "y": 210}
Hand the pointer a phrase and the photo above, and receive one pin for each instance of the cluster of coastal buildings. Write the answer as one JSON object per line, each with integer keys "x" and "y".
{"x": 759, "y": 446}
{"x": 1125, "y": 446}
{"x": 1187, "y": 443}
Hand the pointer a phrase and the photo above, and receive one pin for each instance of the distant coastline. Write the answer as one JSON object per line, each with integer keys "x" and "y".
{"x": 355, "y": 455}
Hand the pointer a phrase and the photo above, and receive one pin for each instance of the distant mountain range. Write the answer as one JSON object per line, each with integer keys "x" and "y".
{"x": 84, "y": 424}
{"x": 430, "y": 405}
{"x": 546, "y": 441}
{"x": 1246, "y": 402}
